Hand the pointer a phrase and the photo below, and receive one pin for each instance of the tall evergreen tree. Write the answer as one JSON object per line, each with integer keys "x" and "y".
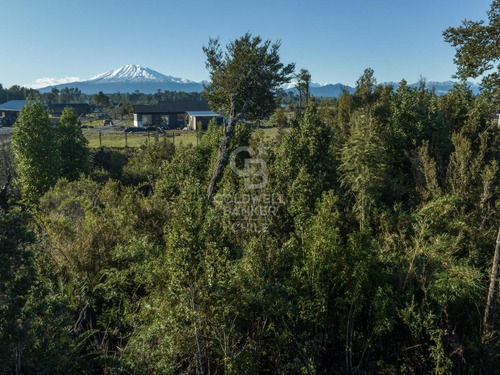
{"x": 242, "y": 84}
{"x": 73, "y": 145}
{"x": 36, "y": 151}
{"x": 363, "y": 167}
{"x": 303, "y": 82}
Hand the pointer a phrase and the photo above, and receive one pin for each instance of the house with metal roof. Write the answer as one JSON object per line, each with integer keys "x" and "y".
{"x": 12, "y": 106}
{"x": 80, "y": 108}
{"x": 172, "y": 114}
{"x": 10, "y": 110}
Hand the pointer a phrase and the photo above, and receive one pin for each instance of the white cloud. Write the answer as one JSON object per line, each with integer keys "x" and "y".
{"x": 44, "y": 82}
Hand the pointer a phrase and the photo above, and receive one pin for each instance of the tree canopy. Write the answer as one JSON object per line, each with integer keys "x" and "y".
{"x": 478, "y": 49}
{"x": 244, "y": 77}
{"x": 75, "y": 155}
{"x": 36, "y": 151}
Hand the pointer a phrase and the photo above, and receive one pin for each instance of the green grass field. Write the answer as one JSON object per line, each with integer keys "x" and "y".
{"x": 135, "y": 139}
{"x": 95, "y": 122}
{"x": 117, "y": 139}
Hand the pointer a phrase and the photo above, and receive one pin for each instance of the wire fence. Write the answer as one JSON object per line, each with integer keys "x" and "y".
{"x": 121, "y": 139}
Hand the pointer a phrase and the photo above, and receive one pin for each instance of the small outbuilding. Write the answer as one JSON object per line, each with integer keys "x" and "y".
{"x": 195, "y": 118}
{"x": 496, "y": 116}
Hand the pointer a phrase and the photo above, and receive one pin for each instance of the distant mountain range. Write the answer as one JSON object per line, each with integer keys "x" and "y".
{"x": 130, "y": 78}
{"x": 335, "y": 90}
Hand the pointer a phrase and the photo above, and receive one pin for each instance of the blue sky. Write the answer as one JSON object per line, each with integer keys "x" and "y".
{"x": 335, "y": 40}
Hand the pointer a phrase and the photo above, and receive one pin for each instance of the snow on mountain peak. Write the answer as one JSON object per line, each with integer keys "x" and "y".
{"x": 135, "y": 73}
{"x": 293, "y": 84}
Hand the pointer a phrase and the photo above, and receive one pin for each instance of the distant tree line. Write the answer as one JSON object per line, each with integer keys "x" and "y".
{"x": 15, "y": 93}
{"x": 74, "y": 95}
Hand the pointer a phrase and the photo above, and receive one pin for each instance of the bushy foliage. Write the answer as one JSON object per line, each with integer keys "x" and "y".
{"x": 367, "y": 249}
{"x": 35, "y": 151}
{"x": 36, "y": 322}
{"x": 75, "y": 155}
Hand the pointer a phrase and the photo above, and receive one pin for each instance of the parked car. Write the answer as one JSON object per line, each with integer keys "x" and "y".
{"x": 107, "y": 121}
{"x": 133, "y": 129}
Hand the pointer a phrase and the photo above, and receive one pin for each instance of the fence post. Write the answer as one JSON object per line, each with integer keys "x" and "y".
{"x": 126, "y": 143}
{"x": 100, "y": 140}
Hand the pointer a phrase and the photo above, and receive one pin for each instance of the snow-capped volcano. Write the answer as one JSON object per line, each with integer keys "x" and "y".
{"x": 136, "y": 73}
{"x": 130, "y": 78}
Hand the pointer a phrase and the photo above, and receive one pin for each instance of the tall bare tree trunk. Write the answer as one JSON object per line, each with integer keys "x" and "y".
{"x": 222, "y": 159}
{"x": 489, "y": 312}
{"x": 199, "y": 356}
{"x": 18, "y": 359}
{"x": 223, "y": 153}
{"x": 349, "y": 336}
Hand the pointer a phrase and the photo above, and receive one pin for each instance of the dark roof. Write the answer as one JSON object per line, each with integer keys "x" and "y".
{"x": 203, "y": 114}
{"x": 181, "y": 106}
{"x": 13, "y": 105}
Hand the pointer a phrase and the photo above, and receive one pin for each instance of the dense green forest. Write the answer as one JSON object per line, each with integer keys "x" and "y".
{"x": 358, "y": 240}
